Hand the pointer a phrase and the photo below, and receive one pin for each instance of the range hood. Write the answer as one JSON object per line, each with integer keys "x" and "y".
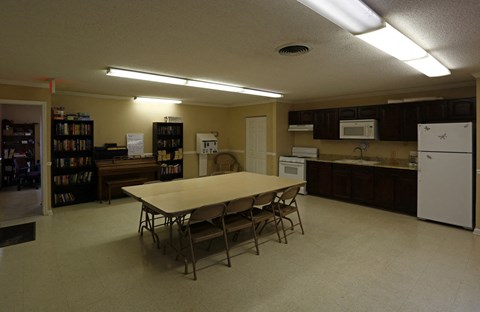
{"x": 306, "y": 127}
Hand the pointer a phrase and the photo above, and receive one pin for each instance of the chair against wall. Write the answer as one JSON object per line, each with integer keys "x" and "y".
{"x": 235, "y": 220}
{"x": 225, "y": 163}
{"x": 286, "y": 205}
{"x": 200, "y": 227}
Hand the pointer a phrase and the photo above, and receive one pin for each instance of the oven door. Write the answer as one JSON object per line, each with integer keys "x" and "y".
{"x": 294, "y": 171}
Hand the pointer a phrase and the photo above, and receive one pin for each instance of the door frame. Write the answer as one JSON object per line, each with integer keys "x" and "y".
{"x": 46, "y": 210}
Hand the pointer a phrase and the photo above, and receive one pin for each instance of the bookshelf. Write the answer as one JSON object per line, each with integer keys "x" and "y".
{"x": 73, "y": 166}
{"x": 18, "y": 142}
{"x": 168, "y": 149}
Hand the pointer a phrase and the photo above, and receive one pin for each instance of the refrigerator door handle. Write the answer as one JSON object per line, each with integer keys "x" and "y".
{"x": 429, "y": 157}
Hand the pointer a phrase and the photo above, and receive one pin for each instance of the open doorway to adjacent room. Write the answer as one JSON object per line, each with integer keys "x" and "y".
{"x": 21, "y": 160}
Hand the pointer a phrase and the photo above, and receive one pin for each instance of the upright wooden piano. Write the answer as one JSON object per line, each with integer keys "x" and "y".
{"x": 115, "y": 173}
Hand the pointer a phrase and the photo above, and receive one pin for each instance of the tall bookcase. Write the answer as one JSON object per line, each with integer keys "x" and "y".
{"x": 73, "y": 166}
{"x": 18, "y": 142}
{"x": 168, "y": 149}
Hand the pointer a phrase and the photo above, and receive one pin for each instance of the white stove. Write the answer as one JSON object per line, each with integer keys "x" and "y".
{"x": 295, "y": 166}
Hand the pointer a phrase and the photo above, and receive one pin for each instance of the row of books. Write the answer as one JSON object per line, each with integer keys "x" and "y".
{"x": 8, "y": 152}
{"x": 170, "y": 130}
{"x": 63, "y": 198}
{"x": 77, "y": 178}
{"x": 73, "y": 162}
{"x": 73, "y": 129}
{"x": 169, "y": 143}
{"x": 164, "y": 156}
{"x": 72, "y": 145}
{"x": 170, "y": 169}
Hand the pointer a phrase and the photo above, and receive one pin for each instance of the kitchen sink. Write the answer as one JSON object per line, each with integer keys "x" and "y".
{"x": 357, "y": 161}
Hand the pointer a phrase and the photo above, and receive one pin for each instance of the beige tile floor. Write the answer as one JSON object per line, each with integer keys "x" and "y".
{"x": 16, "y": 204}
{"x": 89, "y": 257}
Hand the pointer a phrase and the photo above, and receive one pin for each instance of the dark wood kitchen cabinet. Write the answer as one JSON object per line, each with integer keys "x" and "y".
{"x": 389, "y": 123}
{"x": 461, "y": 109}
{"x": 300, "y": 117}
{"x": 319, "y": 178}
{"x": 341, "y": 181}
{"x": 360, "y": 112}
{"x": 347, "y": 113}
{"x": 387, "y": 188}
{"x": 362, "y": 184}
{"x": 410, "y": 118}
{"x": 396, "y": 190}
{"x": 326, "y": 124}
{"x": 432, "y": 111}
{"x": 406, "y": 191}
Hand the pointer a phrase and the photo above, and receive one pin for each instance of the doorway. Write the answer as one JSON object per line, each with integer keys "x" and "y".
{"x": 23, "y": 154}
{"x": 256, "y": 145}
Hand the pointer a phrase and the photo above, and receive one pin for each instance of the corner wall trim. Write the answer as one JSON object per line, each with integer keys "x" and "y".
{"x": 476, "y": 231}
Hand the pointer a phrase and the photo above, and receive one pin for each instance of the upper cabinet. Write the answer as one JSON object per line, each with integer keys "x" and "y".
{"x": 361, "y": 112}
{"x": 432, "y": 111}
{"x": 300, "y": 117}
{"x": 461, "y": 109}
{"x": 326, "y": 124}
{"x": 396, "y": 122}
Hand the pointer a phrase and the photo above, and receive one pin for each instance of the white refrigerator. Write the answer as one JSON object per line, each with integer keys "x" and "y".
{"x": 445, "y": 173}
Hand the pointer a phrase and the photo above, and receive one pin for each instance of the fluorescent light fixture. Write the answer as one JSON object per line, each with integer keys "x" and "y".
{"x": 213, "y": 86}
{"x": 157, "y": 100}
{"x": 393, "y": 42}
{"x": 429, "y": 66}
{"x": 123, "y": 73}
{"x": 353, "y": 15}
{"x": 261, "y": 93}
{"x": 357, "y": 18}
{"x": 188, "y": 82}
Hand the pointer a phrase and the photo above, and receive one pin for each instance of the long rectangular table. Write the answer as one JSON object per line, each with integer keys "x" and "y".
{"x": 176, "y": 199}
{"x": 180, "y": 197}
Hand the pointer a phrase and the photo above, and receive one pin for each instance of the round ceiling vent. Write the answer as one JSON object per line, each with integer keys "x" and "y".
{"x": 293, "y": 49}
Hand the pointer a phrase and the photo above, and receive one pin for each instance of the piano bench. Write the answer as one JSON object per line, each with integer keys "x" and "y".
{"x": 120, "y": 183}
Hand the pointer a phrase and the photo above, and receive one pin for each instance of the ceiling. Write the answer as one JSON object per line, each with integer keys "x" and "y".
{"x": 233, "y": 42}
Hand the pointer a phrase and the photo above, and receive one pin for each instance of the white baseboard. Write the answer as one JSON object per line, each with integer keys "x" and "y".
{"x": 476, "y": 231}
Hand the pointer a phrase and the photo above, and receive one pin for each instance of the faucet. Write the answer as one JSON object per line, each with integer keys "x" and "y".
{"x": 361, "y": 151}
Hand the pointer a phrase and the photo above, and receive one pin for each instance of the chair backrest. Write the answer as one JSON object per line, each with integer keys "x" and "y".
{"x": 289, "y": 194}
{"x": 264, "y": 198}
{"x": 239, "y": 205}
{"x": 208, "y": 212}
{"x": 226, "y": 162}
{"x": 21, "y": 165}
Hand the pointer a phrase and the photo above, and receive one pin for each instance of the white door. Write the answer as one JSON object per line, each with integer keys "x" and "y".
{"x": 256, "y": 145}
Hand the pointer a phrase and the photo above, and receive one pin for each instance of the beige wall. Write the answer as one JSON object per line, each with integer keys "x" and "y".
{"x": 478, "y": 162}
{"x": 115, "y": 118}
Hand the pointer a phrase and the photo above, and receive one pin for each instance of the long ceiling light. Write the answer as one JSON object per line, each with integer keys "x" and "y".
{"x": 353, "y": 16}
{"x": 157, "y": 100}
{"x": 357, "y": 18}
{"x": 116, "y": 72}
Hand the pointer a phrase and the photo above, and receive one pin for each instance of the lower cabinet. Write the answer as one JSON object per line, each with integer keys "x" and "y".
{"x": 341, "y": 181}
{"x": 386, "y": 188}
{"x": 319, "y": 177}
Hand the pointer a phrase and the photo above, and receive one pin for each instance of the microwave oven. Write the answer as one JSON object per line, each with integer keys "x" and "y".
{"x": 363, "y": 129}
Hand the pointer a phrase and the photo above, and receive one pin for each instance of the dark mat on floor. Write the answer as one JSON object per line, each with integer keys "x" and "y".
{"x": 17, "y": 234}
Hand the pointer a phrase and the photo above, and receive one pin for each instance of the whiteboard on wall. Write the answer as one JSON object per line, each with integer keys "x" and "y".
{"x": 135, "y": 144}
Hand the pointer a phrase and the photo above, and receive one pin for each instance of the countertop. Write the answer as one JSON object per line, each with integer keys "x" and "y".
{"x": 382, "y": 162}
